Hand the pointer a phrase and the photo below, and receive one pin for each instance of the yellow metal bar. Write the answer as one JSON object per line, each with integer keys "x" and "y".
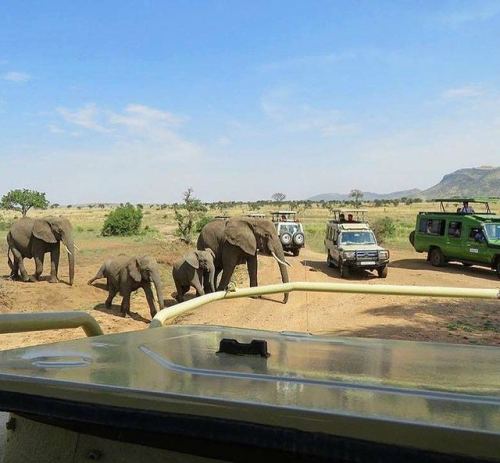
{"x": 22, "y": 322}
{"x": 426, "y": 291}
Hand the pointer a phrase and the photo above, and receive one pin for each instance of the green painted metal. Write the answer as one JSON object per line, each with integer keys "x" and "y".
{"x": 22, "y": 322}
{"x": 399, "y": 290}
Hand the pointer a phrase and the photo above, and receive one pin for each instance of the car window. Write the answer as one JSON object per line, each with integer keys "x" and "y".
{"x": 432, "y": 226}
{"x": 454, "y": 229}
{"x": 492, "y": 231}
{"x": 363, "y": 237}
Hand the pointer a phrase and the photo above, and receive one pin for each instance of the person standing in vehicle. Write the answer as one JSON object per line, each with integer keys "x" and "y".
{"x": 466, "y": 209}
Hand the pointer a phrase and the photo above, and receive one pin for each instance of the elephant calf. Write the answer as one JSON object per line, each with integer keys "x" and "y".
{"x": 126, "y": 274}
{"x": 192, "y": 270}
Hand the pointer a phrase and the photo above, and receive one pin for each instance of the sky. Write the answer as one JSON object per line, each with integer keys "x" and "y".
{"x": 119, "y": 101}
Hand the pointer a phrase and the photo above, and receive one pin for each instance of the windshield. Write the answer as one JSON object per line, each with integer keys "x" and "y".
{"x": 291, "y": 228}
{"x": 492, "y": 231}
{"x": 362, "y": 237}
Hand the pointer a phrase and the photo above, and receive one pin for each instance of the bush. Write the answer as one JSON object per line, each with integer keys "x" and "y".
{"x": 5, "y": 224}
{"x": 123, "y": 221}
{"x": 202, "y": 222}
{"x": 384, "y": 229}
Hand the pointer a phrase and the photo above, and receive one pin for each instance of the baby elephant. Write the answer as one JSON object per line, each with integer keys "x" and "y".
{"x": 126, "y": 274}
{"x": 191, "y": 271}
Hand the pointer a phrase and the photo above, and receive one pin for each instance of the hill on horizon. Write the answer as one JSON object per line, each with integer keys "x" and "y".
{"x": 474, "y": 181}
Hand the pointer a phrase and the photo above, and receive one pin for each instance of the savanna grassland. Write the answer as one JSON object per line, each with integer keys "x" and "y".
{"x": 444, "y": 320}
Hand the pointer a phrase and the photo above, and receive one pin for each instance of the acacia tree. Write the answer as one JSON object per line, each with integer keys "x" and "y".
{"x": 278, "y": 197}
{"x": 187, "y": 214}
{"x": 24, "y": 200}
{"x": 357, "y": 195}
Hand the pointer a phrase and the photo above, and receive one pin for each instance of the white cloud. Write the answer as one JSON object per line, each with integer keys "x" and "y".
{"x": 14, "y": 76}
{"x": 466, "y": 91}
{"x": 474, "y": 12}
{"x": 293, "y": 115}
{"x": 88, "y": 117}
{"x": 55, "y": 129}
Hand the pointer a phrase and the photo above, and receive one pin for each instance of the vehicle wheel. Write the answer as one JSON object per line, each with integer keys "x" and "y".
{"x": 382, "y": 271}
{"x": 436, "y": 257}
{"x": 298, "y": 239}
{"x": 286, "y": 238}
{"x": 412, "y": 238}
{"x": 329, "y": 260}
{"x": 344, "y": 270}
{"x": 296, "y": 251}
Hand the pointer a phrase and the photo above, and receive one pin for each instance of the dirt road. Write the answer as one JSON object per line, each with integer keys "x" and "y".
{"x": 444, "y": 320}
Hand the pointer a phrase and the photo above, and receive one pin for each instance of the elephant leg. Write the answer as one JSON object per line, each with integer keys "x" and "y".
{"x": 179, "y": 297}
{"x": 230, "y": 260}
{"x": 14, "y": 265}
{"x": 150, "y": 298}
{"x": 252, "y": 270}
{"x": 125, "y": 305}
{"x": 39, "y": 258}
{"x": 54, "y": 263}
{"x": 111, "y": 295}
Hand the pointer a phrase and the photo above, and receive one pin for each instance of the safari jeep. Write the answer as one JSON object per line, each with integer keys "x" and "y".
{"x": 289, "y": 230}
{"x": 469, "y": 238}
{"x": 350, "y": 244}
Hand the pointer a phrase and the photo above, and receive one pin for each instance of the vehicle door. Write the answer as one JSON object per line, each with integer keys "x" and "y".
{"x": 454, "y": 247}
{"x": 476, "y": 249}
{"x": 335, "y": 253}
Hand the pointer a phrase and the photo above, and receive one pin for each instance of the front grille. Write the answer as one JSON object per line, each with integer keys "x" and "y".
{"x": 369, "y": 255}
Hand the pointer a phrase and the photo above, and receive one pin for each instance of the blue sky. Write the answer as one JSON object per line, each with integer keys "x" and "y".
{"x": 137, "y": 100}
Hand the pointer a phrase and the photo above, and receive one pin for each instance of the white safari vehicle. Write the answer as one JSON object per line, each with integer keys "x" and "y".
{"x": 289, "y": 230}
{"x": 350, "y": 243}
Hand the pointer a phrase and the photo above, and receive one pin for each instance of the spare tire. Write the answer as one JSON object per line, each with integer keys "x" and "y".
{"x": 412, "y": 238}
{"x": 298, "y": 239}
{"x": 286, "y": 238}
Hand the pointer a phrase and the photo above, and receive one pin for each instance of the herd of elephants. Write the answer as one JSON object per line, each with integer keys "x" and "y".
{"x": 221, "y": 246}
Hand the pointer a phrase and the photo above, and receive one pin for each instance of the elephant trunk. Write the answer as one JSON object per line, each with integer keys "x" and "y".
{"x": 279, "y": 255}
{"x": 159, "y": 292}
{"x": 70, "y": 248}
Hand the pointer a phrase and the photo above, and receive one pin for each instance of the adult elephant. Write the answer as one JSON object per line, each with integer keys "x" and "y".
{"x": 33, "y": 238}
{"x": 236, "y": 241}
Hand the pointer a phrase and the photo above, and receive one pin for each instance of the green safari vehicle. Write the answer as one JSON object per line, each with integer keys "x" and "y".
{"x": 470, "y": 237}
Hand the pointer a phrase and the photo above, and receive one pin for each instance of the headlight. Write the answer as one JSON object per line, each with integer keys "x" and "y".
{"x": 383, "y": 255}
{"x": 349, "y": 254}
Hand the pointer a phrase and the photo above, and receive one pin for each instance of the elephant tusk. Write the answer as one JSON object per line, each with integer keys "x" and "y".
{"x": 67, "y": 250}
{"x": 282, "y": 262}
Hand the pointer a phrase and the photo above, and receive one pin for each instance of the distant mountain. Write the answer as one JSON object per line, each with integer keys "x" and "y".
{"x": 479, "y": 181}
{"x": 476, "y": 181}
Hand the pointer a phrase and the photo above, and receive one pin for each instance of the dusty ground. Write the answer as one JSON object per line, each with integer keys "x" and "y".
{"x": 446, "y": 320}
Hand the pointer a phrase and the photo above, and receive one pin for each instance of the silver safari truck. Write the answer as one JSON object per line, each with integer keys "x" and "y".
{"x": 350, "y": 243}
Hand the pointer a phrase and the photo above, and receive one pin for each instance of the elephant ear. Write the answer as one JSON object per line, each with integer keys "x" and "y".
{"x": 209, "y": 251}
{"x": 192, "y": 259}
{"x": 240, "y": 233}
{"x": 133, "y": 270}
{"x": 43, "y": 231}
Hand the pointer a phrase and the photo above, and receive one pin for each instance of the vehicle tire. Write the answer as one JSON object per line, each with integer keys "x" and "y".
{"x": 329, "y": 260}
{"x": 436, "y": 257}
{"x": 412, "y": 238}
{"x": 298, "y": 239}
{"x": 382, "y": 271}
{"x": 296, "y": 251}
{"x": 344, "y": 270}
{"x": 286, "y": 238}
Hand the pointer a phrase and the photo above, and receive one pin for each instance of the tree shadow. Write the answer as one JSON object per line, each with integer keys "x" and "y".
{"x": 322, "y": 266}
{"x": 464, "y": 321}
{"x": 116, "y": 311}
{"x": 451, "y": 267}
